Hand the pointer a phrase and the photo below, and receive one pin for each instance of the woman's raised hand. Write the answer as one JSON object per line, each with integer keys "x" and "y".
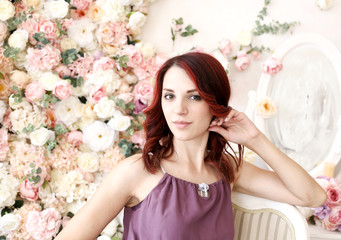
{"x": 236, "y": 127}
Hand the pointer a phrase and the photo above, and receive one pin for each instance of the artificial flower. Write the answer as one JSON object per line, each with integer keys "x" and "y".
{"x": 266, "y": 107}
{"x": 272, "y": 66}
{"x": 7, "y": 10}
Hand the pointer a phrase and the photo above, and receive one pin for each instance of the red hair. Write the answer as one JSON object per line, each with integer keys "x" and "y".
{"x": 213, "y": 87}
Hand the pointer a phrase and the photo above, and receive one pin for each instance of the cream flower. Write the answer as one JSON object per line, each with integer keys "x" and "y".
{"x": 32, "y": 3}
{"x": 244, "y": 38}
{"x": 40, "y": 136}
{"x": 125, "y": 2}
{"x": 119, "y": 122}
{"x": 98, "y": 136}
{"x": 113, "y": 11}
{"x": 147, "y": 49}
{"x": 109, "y": 79}
{"x": 3, "y": 32}
{"x": 18, "y": 39}
{"x": 266, "y": 107}
{"x": 68, "y": 111}
{"x": 7, "y": 10}
{"x": 20, "y": 78}
{"x": 2, "y": 110}
{"x": 67, "y": 43}
{"x": 96, "y": 13}
{"x": 324, "y": 4}
{"x": 9, "y": 187}
{"x": 88, "y": 161}
{"x": 111, "y": 228}
{"x": 105, "y": 108}
{"x": 56, "y": 9}
{"x": 136, "y": 20}
{"x": 48, "y": 80}
{"x": 82, "y": 32}
{"x": 9, "y": 222}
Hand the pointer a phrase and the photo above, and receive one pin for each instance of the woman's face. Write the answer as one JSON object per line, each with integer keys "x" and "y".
{"x": 187, "y": 115}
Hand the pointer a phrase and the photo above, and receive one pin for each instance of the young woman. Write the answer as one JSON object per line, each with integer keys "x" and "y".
{"x": 180, "y": 186}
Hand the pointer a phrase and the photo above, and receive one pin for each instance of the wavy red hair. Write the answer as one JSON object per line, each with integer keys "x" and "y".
{"x": 213, "y": 86}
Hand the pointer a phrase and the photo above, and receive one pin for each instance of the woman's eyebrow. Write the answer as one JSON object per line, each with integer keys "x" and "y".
{"x": 171, "y": 90}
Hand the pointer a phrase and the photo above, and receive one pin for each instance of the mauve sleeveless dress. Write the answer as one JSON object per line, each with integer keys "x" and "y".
{"x": 173, "y": 210}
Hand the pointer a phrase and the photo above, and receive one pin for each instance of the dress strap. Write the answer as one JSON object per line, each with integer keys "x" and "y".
{"x": 163, "y": 170}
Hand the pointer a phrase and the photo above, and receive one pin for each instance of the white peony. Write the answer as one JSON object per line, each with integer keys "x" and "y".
{"x": 105, "y": 108}
{"x": 56, "y": 9}
{"x": 147, "y": 49}
{"x": 69, "y": 110}
{"x": 9, "y": 222}
{"x": 2, "y": 110}
{"x": 98, "y": 136}
{"x": 109, "y": 79}
{"x": 7, "y": 10}
{"x": 9, "y": 187}
{"x": 244, "y": 38}
{"x": 324, "y": 4}
{"x": 40, "y": 136}
{"x": 18, "y": 39}
{"x": 48, "y": 80}
{"x": 136, "y": 20}
{"x": 82, "y": 32}
{"x": 113, "y": 10}
{"x": 88, "y": 161}
{"x": 119, "y": 122}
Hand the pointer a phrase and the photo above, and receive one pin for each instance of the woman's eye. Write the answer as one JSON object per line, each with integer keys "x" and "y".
{"x": 195, "y": 97}
{"x": 168, "y": 96}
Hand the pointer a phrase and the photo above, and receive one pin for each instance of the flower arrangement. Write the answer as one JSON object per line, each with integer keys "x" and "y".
{"x": 328, "y": 216}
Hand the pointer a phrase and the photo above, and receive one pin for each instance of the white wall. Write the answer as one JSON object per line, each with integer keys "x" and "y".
{"x": 217, "y": 19}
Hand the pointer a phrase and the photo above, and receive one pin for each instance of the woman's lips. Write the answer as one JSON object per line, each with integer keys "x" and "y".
{"x": 181, "y": 124}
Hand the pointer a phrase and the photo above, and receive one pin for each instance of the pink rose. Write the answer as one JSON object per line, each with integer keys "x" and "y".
{"x": 62, "y": 89}
{"x": 96, "y": 93}
{"x": 225, "y": 46}
{"x": 81, "y": 4}
{"x": 74, "y": 137}
{"x": 112, "y": 33}
{"x": 3, "y": 144}
{"x": 28, "y": 190}
{"x": 82, "y": 67}
{"x": 143, "y": 91}
{"x": 43, "y": 225}
{"x": 333, "y": 221}
{"x": 62, "y": 71}
{"x": 104, "y": 63}
{"x": 139, "y": 138}
{"x": 242, "y": 62}
{"x": 134, "y": 55}
{"x": 333, "y": 194}
{"x": 272, "y": 66}
{"x": 34, "y": 92}
{"x": 49, "y": 28}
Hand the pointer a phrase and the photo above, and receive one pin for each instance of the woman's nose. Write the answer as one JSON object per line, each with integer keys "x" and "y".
{"x": 180, "y": 107}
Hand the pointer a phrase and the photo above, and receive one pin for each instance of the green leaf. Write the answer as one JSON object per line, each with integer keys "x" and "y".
{"x": 5, "y": 210}
{"x": 70, "y": 214}
{"x": 32, "y": 165}
{"x": 28, "y": 129}
{"x": 1, "y": 75}
{"x": 39, "y": 170}
{"x": 18, "y": 203}
{"x": 40, "y": 37}
{"x": 69, "y": 56}
{"x": 11, "y": 52}
{"x": 50, "y": 145}
{"x": 60, "y": 129}
{"x": 2, "y": 238}
{"x": 36, "y": 179}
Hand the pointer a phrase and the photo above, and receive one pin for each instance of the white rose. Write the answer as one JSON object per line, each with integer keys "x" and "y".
{"x": 120, "y": 123}
{"x": 18, "y": 39}
{"x": 68, "y": 111}
{"x": 109, "y": 79}
{"x": 98, "y": 136}
{"x": 147, "y": 49}
{"x": 56, "y": 9}
{"x": 125, "y": 2}
{"x": 105, "y": 108}
{"x": 9, "y": 187}
{"x": 324, "y": 4}
{"x": 2, "y": 110}
{"x": 82, "y": 32}
{"x": 48, "y": 80}
{"x": 136, "y": 20}
{"x": 244, "y": 38}
{"x": 7, "y": 10}
{"x": 40, "y": 136}
{"x": 9, "y": 222}
{"x": 88, "y": 161}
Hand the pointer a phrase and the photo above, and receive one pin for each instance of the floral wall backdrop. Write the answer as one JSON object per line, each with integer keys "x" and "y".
{"x": 75, "y": 77}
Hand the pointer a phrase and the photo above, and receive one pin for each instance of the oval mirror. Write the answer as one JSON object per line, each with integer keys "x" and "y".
{"x": 307, "y": 96}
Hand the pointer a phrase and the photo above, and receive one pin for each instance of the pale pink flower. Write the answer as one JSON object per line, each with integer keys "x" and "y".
{"x": 43, "y": 225}
{"x": 333, "y": 221}
{"x": 104, "y": 64}
{"x": 96, "y": 93}
{"x": 126, "y": 97}
{"x": 82, "y": 67}
{"x": 112, "y": 33}
{"x": 134, "y": 55}
{"x": 49, "y": 28}
{"x": 43, "y": 59}
{"x": 333, "y": 194}
{"x": 3, "y": 32}
{"x": 31, "y": 26}
{"x": 242, "y": 62}
{"x": 74, "y": 137}
{"x": 50, "y": 117}
{"x": 225, "y": 46}
{"x": 81, "y": 4}
{"x": 272, "y": 66}
{"x": 143, "y": 91}
{"x": 34, "y": 92}
{"x": 62, "y": 70}
{"x": 150, "y": 67}
{"x": 62, "y": 89}
{"x": 64, "y": 155}
{"x": 3, "y": 144}
{"x": 139, "y": 137}
{"x": 28, "y": 190}
{"x": 88, "y": 176}
{"x": 256, "y": 55}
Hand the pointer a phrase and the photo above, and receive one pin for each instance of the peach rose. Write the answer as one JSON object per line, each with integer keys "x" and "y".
{"x": 34, "y": 92}
{"x": 28, "y": 190}
{"x": 266, "y": 107}
{"x": 96, "y": 13}
{"x": 74, "y": 137}
{"x": 20, "y": 78}
{"x": 62, "y": 89}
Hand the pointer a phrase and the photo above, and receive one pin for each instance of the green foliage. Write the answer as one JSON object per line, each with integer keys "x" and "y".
{"x": 50, "y": 145}
{"x": 190, "y": 31}
{"x": 122, "y": 60}
{"x": 11, "y": 52}
{"x": 48, "y": 99}
{"x": 33, "y": 176}
{"x": 127, "y": 107}
{"x": 1, "y": 75}
{"x": 128, "y": 148}
{"x": 28, "y": 129}
{"x": 60, "y": 31}
{"x": 59, "y": 129}
{"x": 17, "y": 95}
{"x": 75, "y": 82}
{"x": 40, "y": 38}
{"x": 69, "y": 56}
{"x": 13, "y": 22}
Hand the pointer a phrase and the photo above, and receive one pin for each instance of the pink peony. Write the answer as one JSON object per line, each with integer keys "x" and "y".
{"x": 96, "y": 93}
{"x": 143, "y": 91}
{"x": 62, "y": 70}
{"x": 74, "y": 137}
{"x": 43, "y": 59}
{"x": 82, "y": 67}
{"x": 43, "y": 225}
{"x": 104, "y": 64}
{"x": 134, "y": 55}
{"x": 112, "y": 33}
{"x": 62, "y": 89}
{"x": 28, "y": 190}
{"x": 3, "y": 144}
{"x": 225, "y": 46}
{"x": 272, "y": 66}
{"x": 34, "y": 92}
{"x": 49, "y": 28}
{"x": 139, "y": 138}
{"x": 242, "y": 62}
{"x": 333, "y": 221}
{"x": 83, "y": 5}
